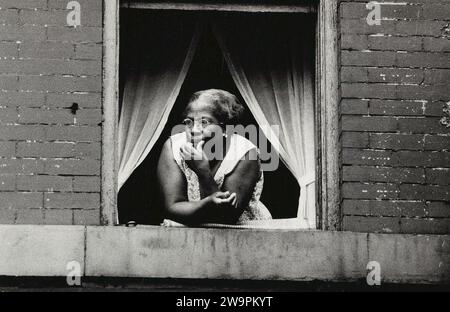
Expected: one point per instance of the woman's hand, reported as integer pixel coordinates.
(195, 158)
(223, 199)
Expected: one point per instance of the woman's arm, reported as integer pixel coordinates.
(198, 161)
(214, 208)
(242, 181)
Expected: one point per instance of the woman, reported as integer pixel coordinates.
(198, 188)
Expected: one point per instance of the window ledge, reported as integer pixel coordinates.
(158, 252)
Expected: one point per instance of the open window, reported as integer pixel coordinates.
(266, 55)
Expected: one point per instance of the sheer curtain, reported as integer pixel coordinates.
(272, 64)
(151, 87)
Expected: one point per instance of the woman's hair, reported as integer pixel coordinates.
(225, 106)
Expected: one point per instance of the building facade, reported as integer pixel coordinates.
(391, 99)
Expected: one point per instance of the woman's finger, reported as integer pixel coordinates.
(234, 203)
(230, 198)
(223, 194)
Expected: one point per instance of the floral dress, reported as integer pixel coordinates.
(239, 146)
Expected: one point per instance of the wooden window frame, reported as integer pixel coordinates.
(327, 99)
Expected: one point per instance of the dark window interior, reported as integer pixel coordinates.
(138, 199)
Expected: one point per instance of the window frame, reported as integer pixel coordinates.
(328, 214)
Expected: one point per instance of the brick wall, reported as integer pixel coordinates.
(395, 81)
(50, 157)
(394, 85)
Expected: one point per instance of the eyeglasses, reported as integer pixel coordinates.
(203, 123)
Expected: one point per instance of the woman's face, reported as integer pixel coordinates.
(203, 124)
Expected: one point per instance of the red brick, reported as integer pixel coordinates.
(396, 108)
(419, 27)
(88, 51)
(383, 174)
(22, 33)
(354, 74)
(19, 132)
(9, 83)
(45, 116)
(425, 125)
(427, 192)
(88, 150)
(424, 226)
(354, 42)
(60, 84)
(425, 159)
(21, 166)
(43, 183)
(437, 76)
(368, 58)
(86, 217)
(20, 200)
(438, 209)
(439, 176)
(436, 11)
(8, 49)
(368, 123)
(388, 208)
(47, 50)
(354, 107)
(59, 116)
(370, 90)
(50, 67)
(401, 11)
(89, 117)
(72, 167)
(388, 43)
(434, 108)
(436, 44)
(423, 59)
(8, 115)
(66, 100)
(7, 216)
(7, 149)
(58, 216)
(30, 216)
(10, 16)
(22, 99)
(23, 4)
(353, 10)
(86, 184)
(437, 142)
(370, 191)
(78, 35)
(360, 26)
(369, 157)
(51, 150)
(396, 141)
(73, 133)
(355, 139)
(395, 75)
(7, 182)
(371, 224)
(72, 200)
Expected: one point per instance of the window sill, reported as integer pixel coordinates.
(158, 252)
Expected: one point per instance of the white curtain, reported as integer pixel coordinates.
(151, 88)
(272, 65)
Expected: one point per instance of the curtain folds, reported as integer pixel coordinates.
(273, 70)
(150, 90)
